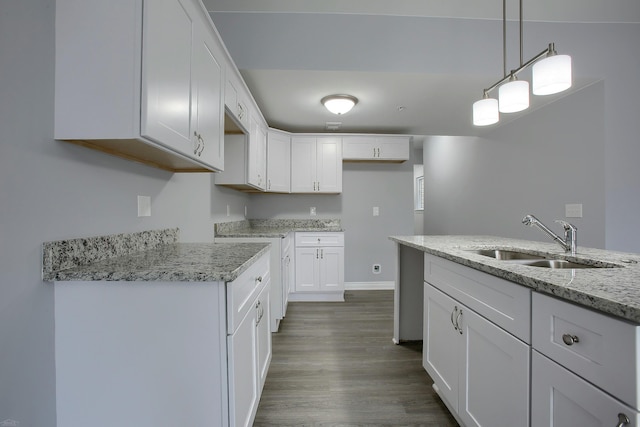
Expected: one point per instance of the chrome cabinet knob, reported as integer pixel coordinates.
(623, 420)
(570, 339)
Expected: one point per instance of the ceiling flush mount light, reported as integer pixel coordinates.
(339, 104)
(551, 73)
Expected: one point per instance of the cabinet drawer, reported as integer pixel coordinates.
(506, 304)
(242, 292)
(320, 239)
(560, 398)
(599, 348)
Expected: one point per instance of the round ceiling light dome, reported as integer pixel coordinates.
(339, 104)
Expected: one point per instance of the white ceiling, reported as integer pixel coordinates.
(396, 101)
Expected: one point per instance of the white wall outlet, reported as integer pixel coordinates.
(376, 211)
(312, 211)
(144, 206)
(573, 210)
(376, 269)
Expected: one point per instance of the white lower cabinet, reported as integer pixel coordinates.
(585, 366)
(162, 354)
(559, 398)
(480, 371)
(319, 267)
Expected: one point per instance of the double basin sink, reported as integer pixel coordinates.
(522, 257)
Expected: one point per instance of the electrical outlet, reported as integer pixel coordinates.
(376, 211)
(312, 211)
(376, 269)
(144, 206)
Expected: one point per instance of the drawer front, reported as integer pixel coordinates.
(242, 292)
(597, 347)
(560, 398)
(319, 239)
(506, 304)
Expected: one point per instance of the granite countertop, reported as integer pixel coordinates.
(614, 291)
(147, 256)
(177, 262)
(274, 228)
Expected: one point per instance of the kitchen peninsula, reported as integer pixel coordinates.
(149, 329)
(512, 338)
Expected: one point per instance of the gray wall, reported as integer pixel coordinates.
(536, 165)
(52, 190)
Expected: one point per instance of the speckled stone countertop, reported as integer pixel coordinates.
(614, 291)
(126, 257)
(274, 228)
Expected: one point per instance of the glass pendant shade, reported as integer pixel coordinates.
(485, 112)
(339, 104)
(513, 96)
(551, 75)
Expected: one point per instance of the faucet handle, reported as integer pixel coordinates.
(570, 236)
(567, 226)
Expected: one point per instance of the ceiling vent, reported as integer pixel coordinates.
(333, 126)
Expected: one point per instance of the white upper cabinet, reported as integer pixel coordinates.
(257, 173)
(235, 99)
(278, 162)
(143, 83)
(378, 148)
(316, 164)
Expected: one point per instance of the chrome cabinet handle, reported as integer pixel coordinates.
(570, 339)
(458, 321)
(623, 420)
(258, 280)
(452, 321)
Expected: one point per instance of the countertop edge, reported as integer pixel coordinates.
(613, 306)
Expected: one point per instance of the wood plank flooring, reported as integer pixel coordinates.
(334, 364)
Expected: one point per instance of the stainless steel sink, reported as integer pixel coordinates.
(559, 263)
(507, 254)
(522, 257)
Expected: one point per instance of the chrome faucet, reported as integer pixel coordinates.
(569, 243)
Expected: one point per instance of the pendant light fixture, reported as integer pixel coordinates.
(551, 73)
(339, 104)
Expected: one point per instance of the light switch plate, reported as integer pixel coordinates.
(573, 210)
(376, 211)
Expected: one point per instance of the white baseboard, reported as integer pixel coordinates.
(369, 286)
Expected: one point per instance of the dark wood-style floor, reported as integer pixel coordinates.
(334, 364)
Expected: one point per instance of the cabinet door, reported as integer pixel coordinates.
(331, 269)
(494, 374)
(278, 163)
(166, 73)
(257, 155)
(208, 103)
(243, 372)
(441, 344)
(263, 336)
(329, 165)
(393, 148)
(303, 164)
(307, 275)
(560, 398)
(358, 147)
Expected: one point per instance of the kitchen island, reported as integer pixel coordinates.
(508, 342)
(152, 332)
